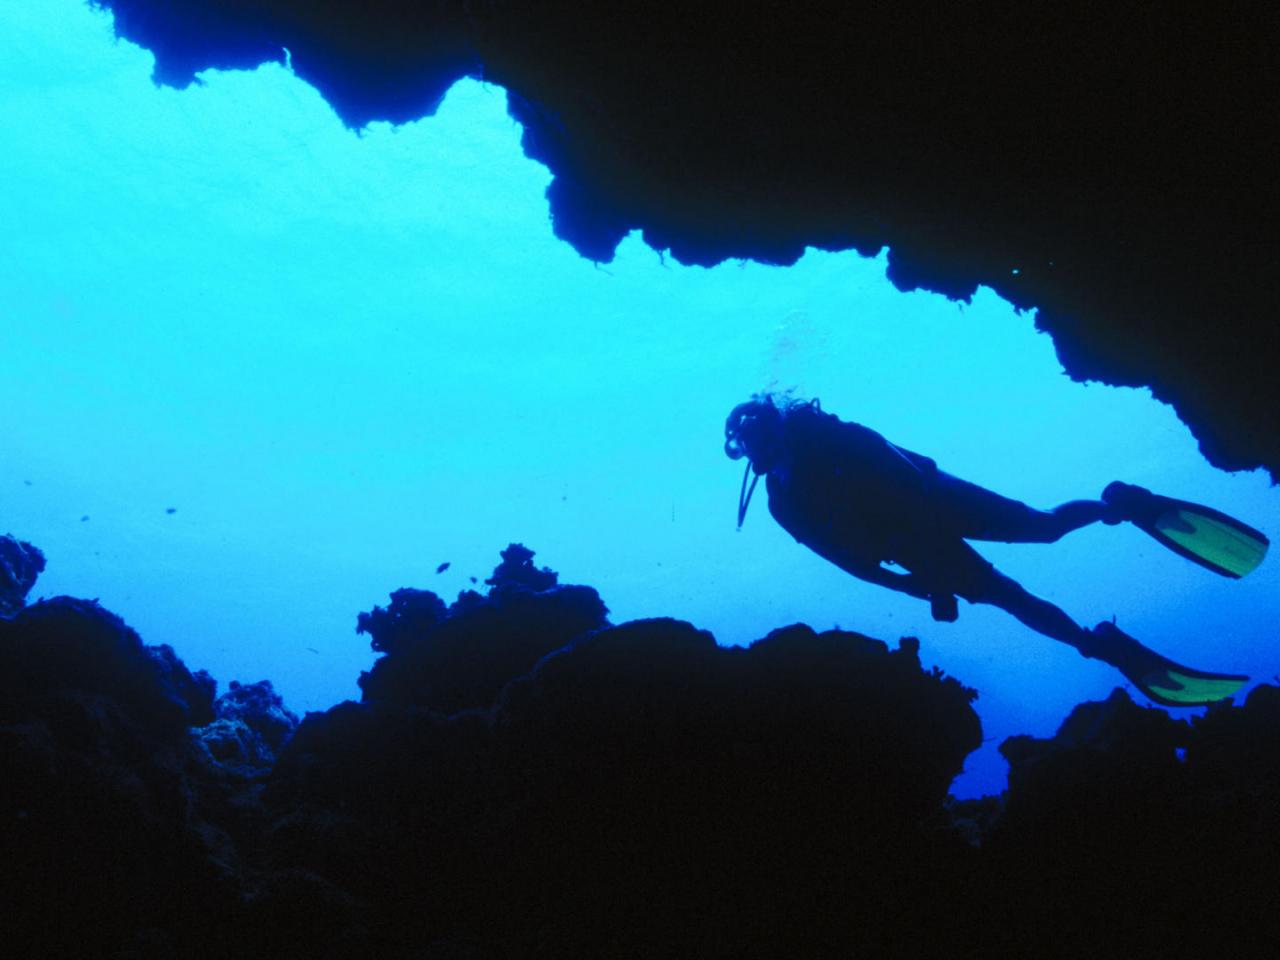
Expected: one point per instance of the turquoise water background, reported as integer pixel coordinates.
(343, 359)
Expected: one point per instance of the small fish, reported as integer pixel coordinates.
(443, 567)
(84, 518)
(472, 579)
(171, 510)
(26, 483)
(313, 649)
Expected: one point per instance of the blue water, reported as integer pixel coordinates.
(341, 360)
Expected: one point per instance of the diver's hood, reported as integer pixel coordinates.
(738, 417)
(751, 419)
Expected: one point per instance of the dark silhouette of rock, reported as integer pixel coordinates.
(1111, 166)
(20, 565)
(410, 614)
(103, 844)
(68, 647)
(633, 790)
(516, 572)
(1129, 827)
(632, 771)
(459, 657)
(260, 708)
(250, 725)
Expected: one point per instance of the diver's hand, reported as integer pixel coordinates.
(944, 608)
(907, 583)
(865, 566)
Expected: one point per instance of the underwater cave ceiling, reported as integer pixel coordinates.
(1113, 167)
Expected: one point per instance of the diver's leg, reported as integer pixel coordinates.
(1051, 525)
(1157, 677)
(1040, 615)
(952, 567)
(980, 514)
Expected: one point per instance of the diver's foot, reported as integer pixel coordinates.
(1124, 501)
(1105, 642)
(1100, 642)
(1159, 678)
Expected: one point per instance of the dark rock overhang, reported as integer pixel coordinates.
(1111, 166)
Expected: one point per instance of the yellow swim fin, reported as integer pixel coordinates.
(1159, 678)
(1202, 534)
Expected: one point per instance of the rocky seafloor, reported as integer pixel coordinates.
(523, 778)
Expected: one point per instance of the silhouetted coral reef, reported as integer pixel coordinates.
(251, 725)
(524, 779)
(461, 657)
(20, 565)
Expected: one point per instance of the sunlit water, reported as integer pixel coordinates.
(343, 360)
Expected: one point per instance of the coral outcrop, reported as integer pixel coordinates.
(624, 790)
(20, 565)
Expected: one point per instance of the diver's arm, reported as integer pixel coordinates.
(907, 583)
(872, 572)
(942, 606)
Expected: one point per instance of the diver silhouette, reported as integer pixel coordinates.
(861, 502)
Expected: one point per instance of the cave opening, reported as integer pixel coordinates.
(261, 371)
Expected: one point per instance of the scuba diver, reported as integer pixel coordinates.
(861, 502)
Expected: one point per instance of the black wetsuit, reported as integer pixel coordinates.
(850, 495)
